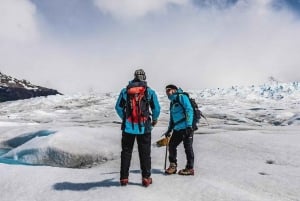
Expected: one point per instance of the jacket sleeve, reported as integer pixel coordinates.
(120, 104)
(171, 125)
(154, 104)
(189, 112)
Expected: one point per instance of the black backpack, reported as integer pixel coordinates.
(197, 112)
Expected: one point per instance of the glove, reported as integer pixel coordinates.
(189, 131)
(167, 133)
(154, 122)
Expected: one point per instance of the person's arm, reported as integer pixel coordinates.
(120, 104)
(155, 107)
(188, 109)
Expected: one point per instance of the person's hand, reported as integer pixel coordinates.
(167, 133)
(154, 122)
(189, 131)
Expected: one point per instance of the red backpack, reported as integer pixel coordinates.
(137, 104)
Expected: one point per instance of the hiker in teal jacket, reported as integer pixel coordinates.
(181, 113)
(145, 127)
(139, 109)
(180, 125)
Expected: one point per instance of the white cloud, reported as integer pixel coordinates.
(207, 47)
(129, 9)
(17, 21)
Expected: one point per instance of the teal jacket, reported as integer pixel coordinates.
(181, 114)
(134, 128)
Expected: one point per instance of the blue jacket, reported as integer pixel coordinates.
(181, 114)
(133, 128)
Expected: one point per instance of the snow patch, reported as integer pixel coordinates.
(72, 147)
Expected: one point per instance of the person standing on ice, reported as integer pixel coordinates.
(133, 107)
(181, 119)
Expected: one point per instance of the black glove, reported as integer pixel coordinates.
(168, 133)
(189, 131)
(154, 122)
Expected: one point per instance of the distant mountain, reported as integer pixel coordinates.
(14, 89)
(272, 89)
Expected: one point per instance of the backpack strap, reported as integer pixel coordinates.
(178, 101)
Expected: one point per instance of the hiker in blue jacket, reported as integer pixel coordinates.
(181, 120)
(133, 107)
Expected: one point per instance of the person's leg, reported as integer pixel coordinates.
(144, 148)
(175, 140)
(127, 147)
(188, 147)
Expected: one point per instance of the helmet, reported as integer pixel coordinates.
(140, 75)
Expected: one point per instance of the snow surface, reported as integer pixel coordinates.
(60, 148)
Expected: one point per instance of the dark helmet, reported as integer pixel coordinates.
(140, 75)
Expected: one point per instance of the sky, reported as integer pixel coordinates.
(95, 45)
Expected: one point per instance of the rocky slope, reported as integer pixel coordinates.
(14, 89)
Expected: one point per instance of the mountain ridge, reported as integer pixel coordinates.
(12, 89)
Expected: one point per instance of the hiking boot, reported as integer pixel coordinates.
(123, 182)
(186, 171)
(172, 169)
(146, 181)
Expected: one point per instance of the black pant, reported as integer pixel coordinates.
(144, 149)
(176, 139)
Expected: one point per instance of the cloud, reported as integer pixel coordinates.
(129, 9)
(190, 45)
(17, 21)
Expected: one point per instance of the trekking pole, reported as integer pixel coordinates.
(207, 122)
(166, 154)
(204, 118)
(165, 166)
